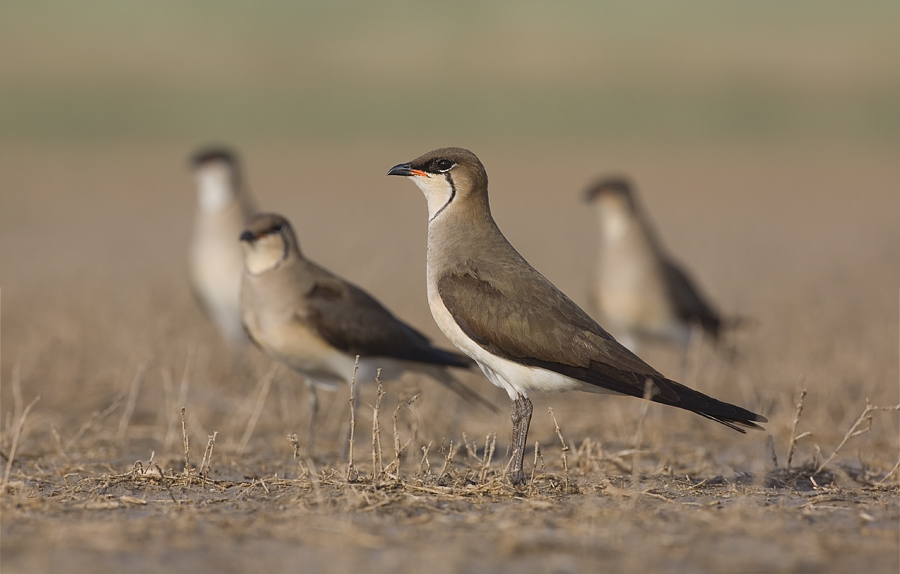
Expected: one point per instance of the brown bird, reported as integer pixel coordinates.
(316, 323)
(216, 260)
(523, 332)
(639, 292)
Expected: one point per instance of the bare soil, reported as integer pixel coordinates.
(99, 323)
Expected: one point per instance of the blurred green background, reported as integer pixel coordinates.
(639, 71)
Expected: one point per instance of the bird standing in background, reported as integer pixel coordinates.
(216, 260)
(317, 323)
(523, 332)
(638, 291)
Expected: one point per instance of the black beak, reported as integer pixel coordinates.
(401, 169)
(248, 236)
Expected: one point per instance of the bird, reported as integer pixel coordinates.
(524, 333)
(317, 323)
(215, 258)
(638, 291)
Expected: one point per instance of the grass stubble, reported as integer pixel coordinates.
(625, 503)
(94, 477)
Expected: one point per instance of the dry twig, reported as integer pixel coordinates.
(425, 462)
(264, 385)
(15, 442)
(794, 436)
(448, 461)
(96, 417)
(490, 442)
(377, 461)
(207, 455)
(537, 453)
(132, 401)
(183, 387)
(186, 444)
(565, 450)
(864, 419)
(649, 391)
(352, 418)
(394, 467)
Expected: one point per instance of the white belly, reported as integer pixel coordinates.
(512, 377)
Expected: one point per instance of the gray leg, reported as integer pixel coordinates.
(313, 397)
(521, 420)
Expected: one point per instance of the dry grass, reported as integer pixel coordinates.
(96, 478)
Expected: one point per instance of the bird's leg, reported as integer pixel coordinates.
(521, 420)
(313, 397)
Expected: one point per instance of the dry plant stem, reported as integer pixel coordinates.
(207, 455)
(132, 401)
(186, 444)
(649, 391)
(95, 418)
(15, 443)
(17, 397)
(265, 385)
(351, 440)
(470, 451)
(490, 442)
(183, 387)
(57, 440)
(377, 467)
(506, 470)
(890, 474)
(396, 436)
(398, 448)
(855, 430)
(565, 450)
(794, 436)
(770, 444)
(295, 446)
(169, 401)
(447, 461)
(537, 450)
(425, 462)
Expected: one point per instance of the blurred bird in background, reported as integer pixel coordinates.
(216, 260)
(638, 291)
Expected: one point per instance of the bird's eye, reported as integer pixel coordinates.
(278, 228)
(443, 165)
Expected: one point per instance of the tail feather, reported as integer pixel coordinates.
(732, 416)
(733, 423)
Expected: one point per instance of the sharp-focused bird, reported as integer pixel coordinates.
(216, 260)
(523, 332)
(316, 323)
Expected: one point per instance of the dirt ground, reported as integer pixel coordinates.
(98, 322)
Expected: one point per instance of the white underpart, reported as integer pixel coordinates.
(314, 358)
(437, 190)
(615, 220)
(263, 254)
(214, 188)
(510, 376)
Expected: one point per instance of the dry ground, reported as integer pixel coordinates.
(98, 322)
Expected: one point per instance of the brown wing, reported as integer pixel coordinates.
(353, 321)
(688, 301)
(529, 321)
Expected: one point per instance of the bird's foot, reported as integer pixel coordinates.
(517, 478)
